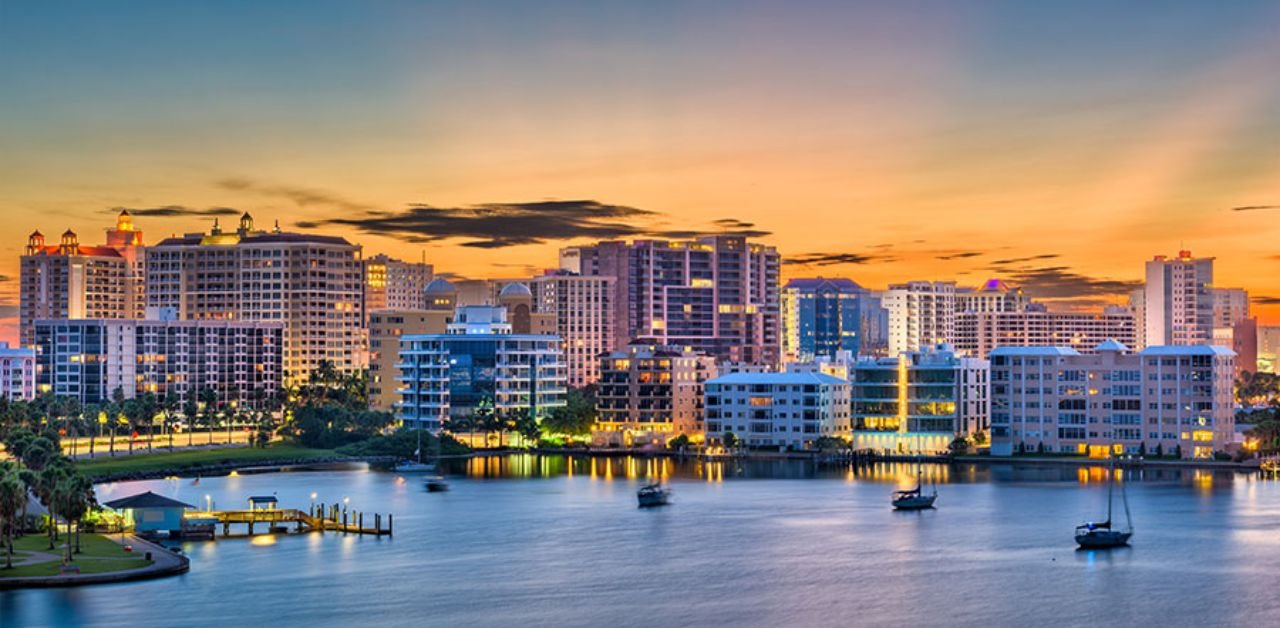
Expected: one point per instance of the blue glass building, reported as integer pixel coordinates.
(824, 316)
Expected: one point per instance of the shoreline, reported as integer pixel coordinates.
(164, 563)
(248, 466)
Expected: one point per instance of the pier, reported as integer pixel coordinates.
(318, 518)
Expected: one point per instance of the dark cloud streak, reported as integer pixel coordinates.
(172, 211)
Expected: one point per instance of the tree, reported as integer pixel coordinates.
(682, 441)
(169, 405)
(730, 440)
(208, 409)
(13, 499)
(575, 418)
(526, 426)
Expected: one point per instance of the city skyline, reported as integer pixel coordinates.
(488, 137)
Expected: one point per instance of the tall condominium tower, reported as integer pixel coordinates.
(921, 314)
(392, 284)
(821, 317)
(73, 281)
(717, 294)
(992, 296)
(311, 283)
(583, 311)
(1177, 301)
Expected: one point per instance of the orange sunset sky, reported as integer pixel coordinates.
(1055, 145)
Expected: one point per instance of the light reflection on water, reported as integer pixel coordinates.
(541, 540)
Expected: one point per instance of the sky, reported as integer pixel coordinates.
(1056, 145)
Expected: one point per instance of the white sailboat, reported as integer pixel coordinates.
(1104, 535)
(416, 465)
(915, 499)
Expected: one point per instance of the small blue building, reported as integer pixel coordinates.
(149, 513)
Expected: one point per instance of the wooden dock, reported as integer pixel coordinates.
(319, 518)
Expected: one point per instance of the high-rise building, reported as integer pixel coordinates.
(821, 317)
(1230, 306)
(992, 296)
(312, 284)
(784, 410)
(649, 395)
(517, 299)
(88, 360)
(1178, 301)
(921, 314)
(75, 281)
(1164, 400)
(582, 308)
(17, 373)
(1269, 348)
(392, 284)
(918, 402)
(388, 326)
(478, 361)
(978, 333)
(717, 294)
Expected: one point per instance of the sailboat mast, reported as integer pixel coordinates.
(1111, 489)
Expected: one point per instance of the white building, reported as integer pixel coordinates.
(921, 314)
(918, 402)
(978, 333)
(1163, 400)
(17, 373)
(583, 311)
(785, 410)
(392, 284)
(992, 296)
(1178, 301)
(478, 361)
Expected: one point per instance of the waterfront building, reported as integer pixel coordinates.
(71, 280)
(992, 296)
(517, 299)
(478, 361)
(582, 309)
(821, 317)
(386, 328)
(17, 373)
(919, 401)
(392, 284)
(921, 314)
(783, 410)
(717, 294)
(1178, 301)
(978, 333)
(312, 284)
(1162, 400)
(88, 360)
(649, 395)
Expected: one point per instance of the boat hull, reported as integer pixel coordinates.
(650, 501)
(437, 485)
(1103, 539)
(414, 467)
(921, 502)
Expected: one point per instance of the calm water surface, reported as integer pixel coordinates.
(544, 541)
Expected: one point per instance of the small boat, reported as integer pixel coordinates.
(915, 499)
(417, 465)
(1090, 535)
(653, 495)
(437, 485)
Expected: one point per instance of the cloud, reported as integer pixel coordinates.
(1251, 208)
(1262, 299)
(959, 255)
(1020, 260)
(302, 196)
(834, 259)
(500, 225)
(167, 211)
(1060, 282)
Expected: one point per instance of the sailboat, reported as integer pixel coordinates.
(1090, 535)
(415, 466)
(915, 499)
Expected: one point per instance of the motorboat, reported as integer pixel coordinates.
(653, 495)
(437, 485)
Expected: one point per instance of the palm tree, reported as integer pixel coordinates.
(190, 410)
(169, 405)
(75, 496)
(209, 409)
(13, 499)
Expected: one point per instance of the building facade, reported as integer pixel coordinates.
(783, 410)
(392, 284)
(919, 402)
(1178, 301)
(992, 296)
(17, 373)
(921, 314)
(89, 360)
(718, 294)
(1164, 400)
(978, 333)
(649, 395)
(386, 328)
(74, 281)
(582, 308)
(478, 361)
(311, 284)
(821, 317)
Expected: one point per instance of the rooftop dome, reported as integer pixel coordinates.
(515, 289)
(440, 286)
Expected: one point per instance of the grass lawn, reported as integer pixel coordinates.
(161, 461)
(98, 555)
